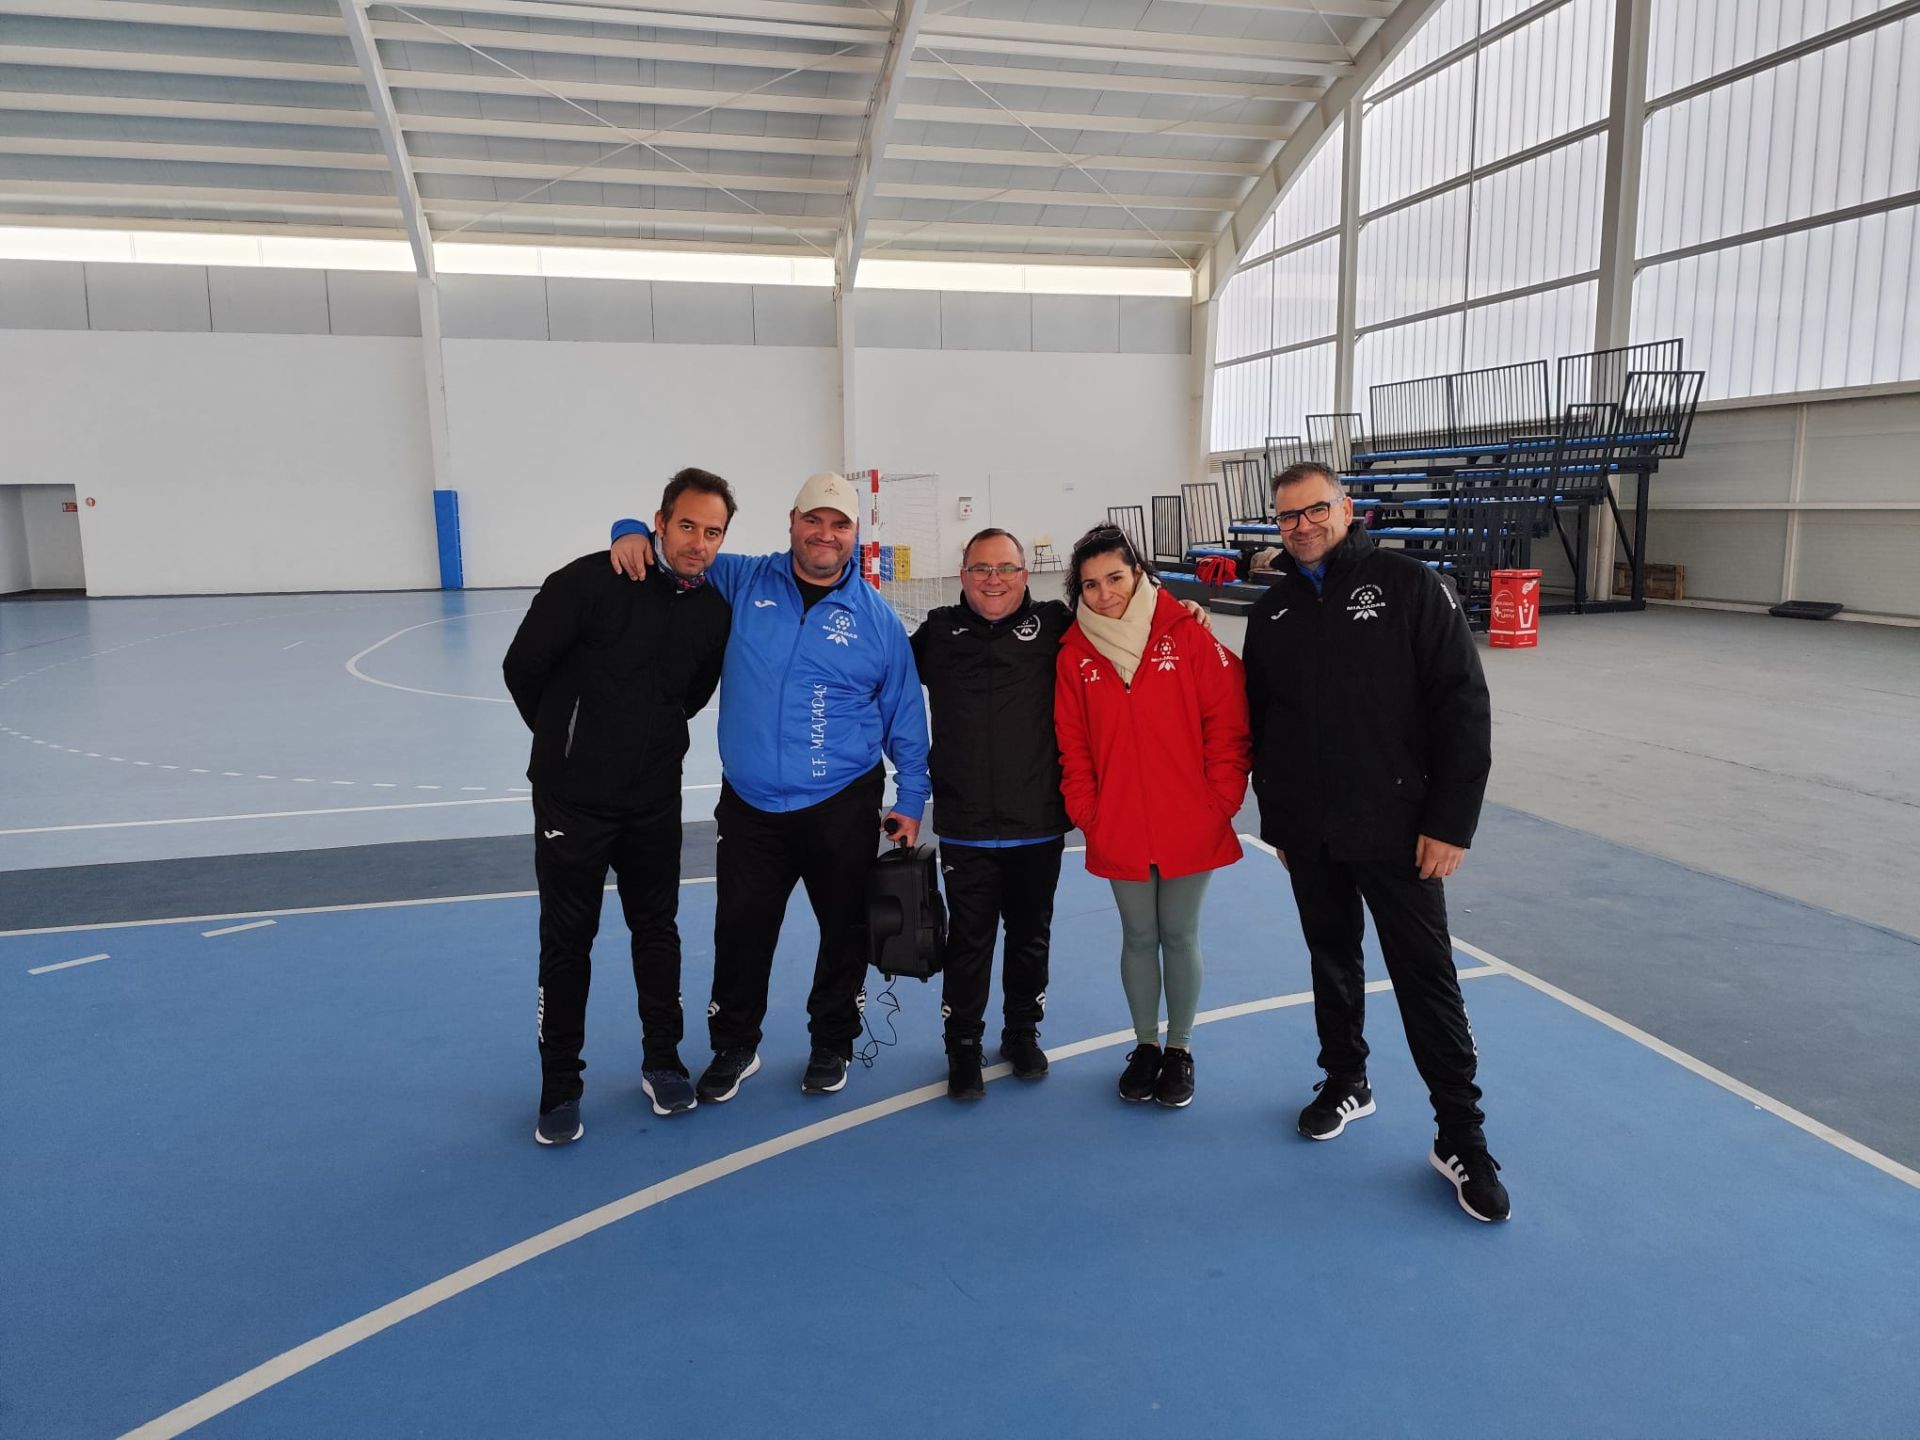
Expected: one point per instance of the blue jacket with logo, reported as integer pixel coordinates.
(809, 702)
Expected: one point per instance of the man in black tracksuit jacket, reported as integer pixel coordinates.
(988, 665)
(606, 675)
(1372, 740)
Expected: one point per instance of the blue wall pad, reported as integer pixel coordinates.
(446, 525)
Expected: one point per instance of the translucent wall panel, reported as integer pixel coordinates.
(1417, 138)
(1306, 289)
(1302, 386)
(1405, 352)
(1537, 221)
(1835, 128)
(1452, 24)
(1690, 40)
(1412, 260)
(1543, 80)
(1834, 306)
(1534, 327)
(1244, 322)
(1242, 395)
(1312, 204)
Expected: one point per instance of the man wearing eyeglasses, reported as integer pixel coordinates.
(1372, 739)
(988, 666)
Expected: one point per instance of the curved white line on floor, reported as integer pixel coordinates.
(353, 665)
(344, 1337)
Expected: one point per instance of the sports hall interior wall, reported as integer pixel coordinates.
(16, 568)
(249, 430)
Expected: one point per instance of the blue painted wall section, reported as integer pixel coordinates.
(446, 524)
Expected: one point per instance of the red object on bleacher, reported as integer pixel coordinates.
(1215, 570)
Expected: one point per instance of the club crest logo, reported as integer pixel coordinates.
(1165, 657)
(840, 629)
(1027, 629)
(1366, 603)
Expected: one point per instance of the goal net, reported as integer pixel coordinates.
(904, 545)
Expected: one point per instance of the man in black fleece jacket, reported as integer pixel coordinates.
(606, 675)
(1372, 740)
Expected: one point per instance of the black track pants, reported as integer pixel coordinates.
(984, 888)
(1410, 917)
(572, 851)
(758, 856)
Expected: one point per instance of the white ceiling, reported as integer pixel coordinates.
(1095, 129)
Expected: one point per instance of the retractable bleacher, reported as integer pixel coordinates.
(1467, 470)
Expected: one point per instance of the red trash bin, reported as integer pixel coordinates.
(1516, 610)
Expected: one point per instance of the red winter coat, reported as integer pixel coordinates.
(1155, 773)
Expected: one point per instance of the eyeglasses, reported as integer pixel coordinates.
(1005, 572)
(1313, 514)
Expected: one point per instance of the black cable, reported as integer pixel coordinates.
(870, 1051)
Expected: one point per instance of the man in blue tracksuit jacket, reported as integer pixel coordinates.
(818, 683)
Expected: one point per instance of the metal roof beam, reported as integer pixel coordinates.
(387, 122)
(1118, 84)
(987, 195)
(850, 27)
(873, 141)
(1052, 160)
(1074, 120)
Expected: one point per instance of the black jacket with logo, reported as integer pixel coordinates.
(1370, 715)
(606, 672)
(995, 763)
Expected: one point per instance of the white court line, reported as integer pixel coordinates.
(353, 665)
(344, 1337)
(301, 910)
(519, 795)
(1886, 1164)
(1816, 1128)
(257, 815)
(236, 929)
(68, 964)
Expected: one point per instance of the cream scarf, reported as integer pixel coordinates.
(1124, 640)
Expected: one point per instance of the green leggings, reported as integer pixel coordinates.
(1160, 930)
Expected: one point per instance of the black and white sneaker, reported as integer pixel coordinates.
(1339, 1101)
(670, 1090)
(826, 1072)
(1174, 1088)
(722, 1078)
(1141, 1075)
(1021, 1049)
(560, 1125)
(1476, 1179)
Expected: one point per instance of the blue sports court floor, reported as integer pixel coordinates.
(267, 1052)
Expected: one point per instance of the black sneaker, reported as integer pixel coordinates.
(1339, 1102)
(669, 1089)
(1143, 1070)
(1174, 1088)
(1021, 1049)
(560, 1125)
(964, 1081)
(826, 1072)
(1476, 1179)
(722, 1078)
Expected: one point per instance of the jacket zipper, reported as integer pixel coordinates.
(572, 720)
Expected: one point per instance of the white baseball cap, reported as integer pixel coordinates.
(828, 492)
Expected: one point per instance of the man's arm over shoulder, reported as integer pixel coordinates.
(727, 573)
(1459, 711)
(550, 628)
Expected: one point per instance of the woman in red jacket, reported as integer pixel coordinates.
(1151, 715)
